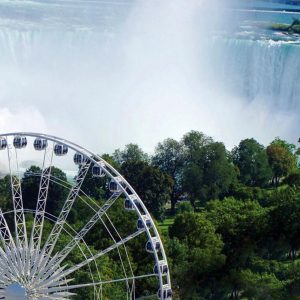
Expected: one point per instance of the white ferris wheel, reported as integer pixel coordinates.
(44, 256)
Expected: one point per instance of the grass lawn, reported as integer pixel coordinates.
(164, 226)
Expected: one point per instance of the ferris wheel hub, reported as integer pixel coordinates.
(15, 291)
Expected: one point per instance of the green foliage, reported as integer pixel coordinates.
(209, 174)
(293, 179)
(152, 185)
(251, 159)
(260, 286)
(242, 225)
(281, 159)
(183, 207)
(169, 157)
(5, 194)
(196, 252)
(94, 187)
(132, 152)
(56, 193)
(242, 192)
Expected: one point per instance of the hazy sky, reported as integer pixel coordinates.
(106, 73)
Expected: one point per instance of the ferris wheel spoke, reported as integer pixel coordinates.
(123, 267)
(7, 274)
(56, 230)
(55, 279)
(92, 284)
(12, 255)
(82, 233)
(50, 270)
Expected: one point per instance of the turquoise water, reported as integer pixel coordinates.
(250, 18)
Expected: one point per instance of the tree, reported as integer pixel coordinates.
(284, 225)
(152, 185)
(169, 157)
(281, 158)
(132, 152)
(6, 203)
(56, 193)
(242, 225)
(194, 141)
(197, 252)
(252, 161)
(95, 187)
(111, 160)
(210, 175)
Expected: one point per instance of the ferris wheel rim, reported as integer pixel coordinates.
(125, 188)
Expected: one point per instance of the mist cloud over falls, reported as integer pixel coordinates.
(108, 73)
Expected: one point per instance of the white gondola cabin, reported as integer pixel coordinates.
(114, 185)
(165, 292)
(60, 149)
(3, 143)
(20, 142)
(162, 266)
(140, 223)
(79, 159)
(128, 203)
(156, 245)
(98, 170)
(40, 144)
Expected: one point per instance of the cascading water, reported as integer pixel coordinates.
(144, 70)
(261, 69)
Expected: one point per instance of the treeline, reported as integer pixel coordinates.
(235, 214)
(198, 169)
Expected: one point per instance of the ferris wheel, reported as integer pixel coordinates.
(52, 254)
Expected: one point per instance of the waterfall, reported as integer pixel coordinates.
(261, 69)
(146, 67)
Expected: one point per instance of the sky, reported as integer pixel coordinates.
(107, 73)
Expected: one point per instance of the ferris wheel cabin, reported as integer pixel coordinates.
(155, 241)
(114, 185)
(60, 149)
(98, 171)
(40, 144)
(79, 159)
(162, 266)
(3, 143)
(165, 293)
(140, 223)
(20, 142)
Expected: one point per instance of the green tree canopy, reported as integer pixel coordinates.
(252, 161)
(197, 249)
(210, 175)
(152, 185)
(169, 157)
(56, 193)
(132, 152)
(242, 224)
(281, 159)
